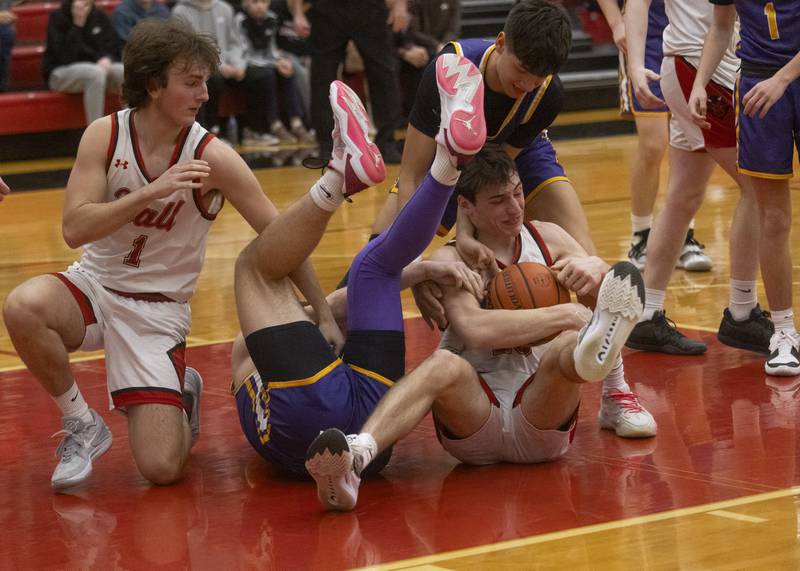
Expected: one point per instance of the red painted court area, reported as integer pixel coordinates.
(725, 431)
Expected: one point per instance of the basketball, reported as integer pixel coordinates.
(526, 285)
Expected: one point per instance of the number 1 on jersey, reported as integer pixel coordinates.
(772, 21)
(133, 257)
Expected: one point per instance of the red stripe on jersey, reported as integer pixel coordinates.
(197, 193)
(517, 253)
(489, 392)
(518, 396)
(112, 143)
(135, 145)
(83, 300)
(147, 395)
(176, 152)
(178, 357)
(548, 259)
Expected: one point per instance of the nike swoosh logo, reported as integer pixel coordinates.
(73, 398)
(325, 190)
(743, 290)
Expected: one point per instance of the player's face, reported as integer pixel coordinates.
(515, 80)
(500, 210)
(184, 93)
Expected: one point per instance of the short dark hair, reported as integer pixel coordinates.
(539, 33)
(153, 47)
(490, 168)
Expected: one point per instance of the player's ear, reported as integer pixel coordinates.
(500, 42)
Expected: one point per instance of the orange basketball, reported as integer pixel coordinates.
(526, 285)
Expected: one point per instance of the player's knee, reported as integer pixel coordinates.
(447, 370)
(775, 222)
(161, 468)
(246, 263)
(22, 309)
(652, 149)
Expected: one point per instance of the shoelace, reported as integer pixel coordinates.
(784, 343)
(671, 326)
(68, 445)
(628, 401)
(691, 241)
(637, 248)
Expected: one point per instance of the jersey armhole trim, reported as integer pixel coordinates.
(112, 142)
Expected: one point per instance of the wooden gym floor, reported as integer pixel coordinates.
(717, 488)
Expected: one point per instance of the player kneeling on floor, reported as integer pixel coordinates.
(522, 406)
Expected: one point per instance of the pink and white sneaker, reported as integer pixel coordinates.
(462, 125)
(354, 156)
(624, 414)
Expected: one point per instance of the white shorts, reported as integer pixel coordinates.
(684, 134)
(507, 436)
(144, 341)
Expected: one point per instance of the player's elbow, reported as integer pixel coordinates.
(72, 236)
(475, 334)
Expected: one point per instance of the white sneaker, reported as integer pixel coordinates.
(335, 462)
(693, 257)
(784, 358)
(82, 443)
(462, 127)
(251, 138)
(193, 385)
(624, 414)
(620, 303)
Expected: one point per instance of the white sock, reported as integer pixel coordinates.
(784, 320)
(615, 381)
(71, 403)
(367, 443)
(327, 191)
(654, 301)
(743, 298)
(639, 223)
(691, 224)
(443, 169)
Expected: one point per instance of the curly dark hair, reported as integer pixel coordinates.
(490, 168)
(539, 33)
(153, 47)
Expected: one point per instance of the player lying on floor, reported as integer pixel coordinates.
(495, 393)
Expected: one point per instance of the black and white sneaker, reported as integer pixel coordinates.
(660, 335)
(620, 303)
(693, 257)
(752, 334)
(637, 255)
(784, 358)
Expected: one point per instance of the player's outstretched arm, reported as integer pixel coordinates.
(636, 32)
(717, 41)
(87, 216)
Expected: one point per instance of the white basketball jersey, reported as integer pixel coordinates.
(162, 249)
(685, 35)
(506, 370)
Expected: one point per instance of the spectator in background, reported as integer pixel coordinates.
(370, 24)
(433, 24)
(82, 55)
(128, 13)
(269, 79)
(216, 18)
(8, 34)
(296, 49)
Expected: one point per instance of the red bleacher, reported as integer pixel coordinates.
(39, 110)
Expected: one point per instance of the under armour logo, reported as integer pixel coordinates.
(121, 162)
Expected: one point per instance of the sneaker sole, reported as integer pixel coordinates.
(735, 343)
(461, 94)
(86, 472)
(364, 157)
(328, 460)
(668, 349)
(624, 430)
(699, 266)
(781, 370)
(620, 303)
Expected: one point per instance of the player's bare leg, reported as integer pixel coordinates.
(652, 142)
(688, 177)
(444, 383)
(775, 217)
(45, 324)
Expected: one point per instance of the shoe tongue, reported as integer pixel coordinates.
(71, 423)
